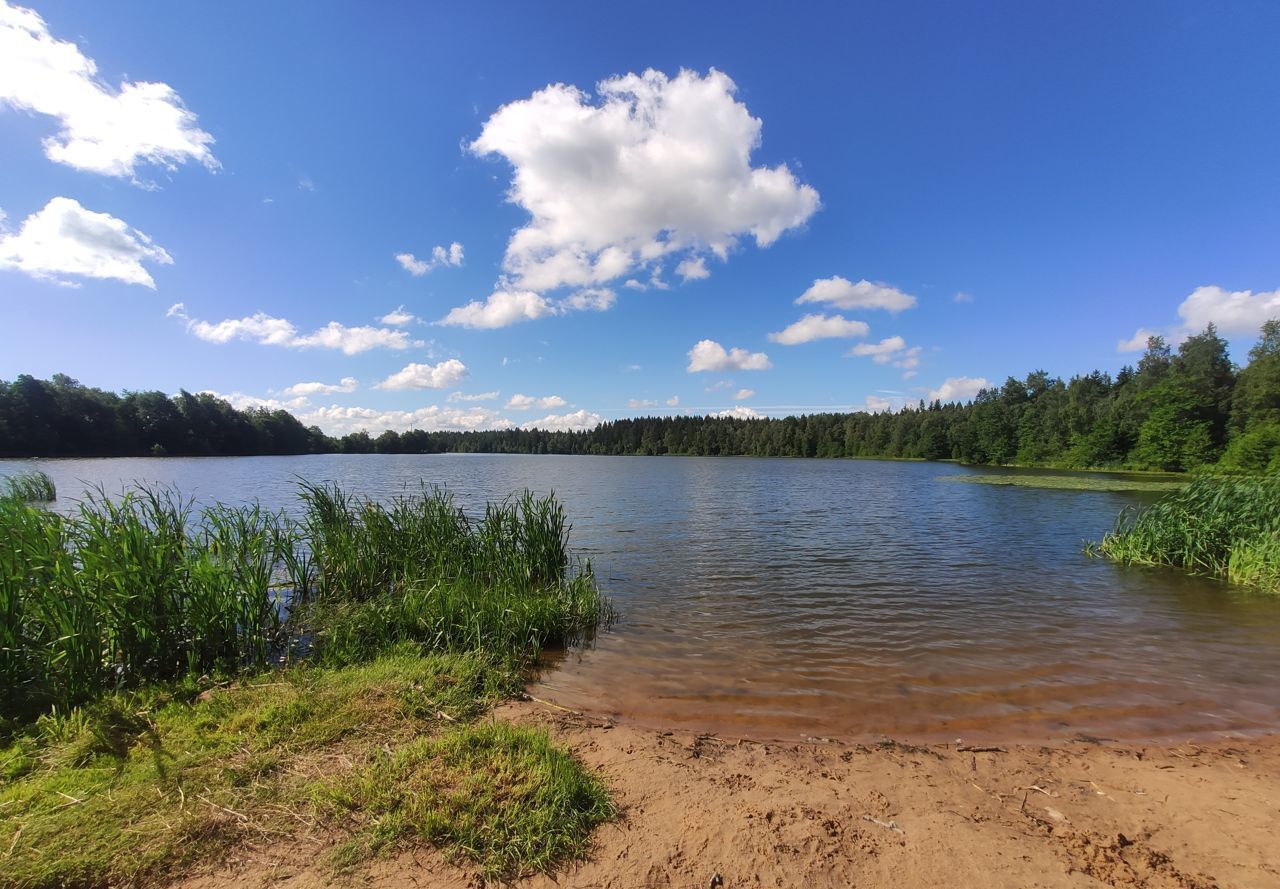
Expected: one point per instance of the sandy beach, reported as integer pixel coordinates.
(889, 815)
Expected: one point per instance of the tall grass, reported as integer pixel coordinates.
(29, 487)
(1226, 526)
(146, 587)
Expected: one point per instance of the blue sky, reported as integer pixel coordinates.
(801, 207)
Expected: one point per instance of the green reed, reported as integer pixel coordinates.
(29, 487)
(146, 587)
(1220, 525)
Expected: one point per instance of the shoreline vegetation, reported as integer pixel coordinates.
(1172, 412)
(1219, 526)
(175, 683)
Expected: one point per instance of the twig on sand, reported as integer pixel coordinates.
(555, 706)
(969, 748)
(887, 825)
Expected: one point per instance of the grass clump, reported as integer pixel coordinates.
(124, 761)
(143, 783)
(501, 795)
(1225, 526)
(29, 487)
(1071, 482)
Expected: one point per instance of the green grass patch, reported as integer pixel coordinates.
(502, 796)
(29, 487)
(146, 784)
(1072, 482)
(1225, 526)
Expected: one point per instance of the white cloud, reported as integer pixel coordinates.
(875, 404)
(242, 402)
(718, 386)
(102, 129)
(577, 420)
(673, 401)
(744, 394)
(741, 412)
(710, 355)
(520, 402)
(882, 351)
(659, 166)
(66, 239)
(426, 376)
(1137, 342)
(478, 396)
(637, 404)
(958, 389)
(398, 317)
(844, 294)
(817, 327)
(440, 256)
(502, 309)
(693, 269)
(346, 384)
(1235, 312)
(592, 299)
(891, 350)
(962, 296)
(337, 420)
(270, 331)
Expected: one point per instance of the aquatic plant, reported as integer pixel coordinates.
(1071, 482)
(1220, 525)
(145, 587)
(29, 487)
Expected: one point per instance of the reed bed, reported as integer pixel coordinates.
(29, 487)
(145, 587)
(1225, 526)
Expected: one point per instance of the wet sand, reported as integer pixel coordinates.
(1082, 813)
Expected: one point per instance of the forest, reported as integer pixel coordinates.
(1177, 410)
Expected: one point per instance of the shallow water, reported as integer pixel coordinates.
(794, 598)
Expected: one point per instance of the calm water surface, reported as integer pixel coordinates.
(857, 599)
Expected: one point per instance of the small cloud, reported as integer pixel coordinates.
(708, 355)
(844, 294)
(962, 296)
(479, 396)
(520, 402)
(1137, 342)
(398, 317)
(426, 376)
(817, 327)
(592, 299)
(501, 309)
(440, 256)
(741, 412)
(958, 389)
(743, 394)
(346, 384)
(576, 421)
(305, 184)
(637, 404)
(673, 401)
(693, 269)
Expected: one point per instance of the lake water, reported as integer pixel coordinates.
(779, 598)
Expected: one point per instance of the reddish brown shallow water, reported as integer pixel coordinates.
(853, 599)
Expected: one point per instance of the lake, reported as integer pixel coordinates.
(790, 599)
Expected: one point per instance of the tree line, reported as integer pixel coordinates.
(1176, 410)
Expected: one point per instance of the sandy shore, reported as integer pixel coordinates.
(1080, 814)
